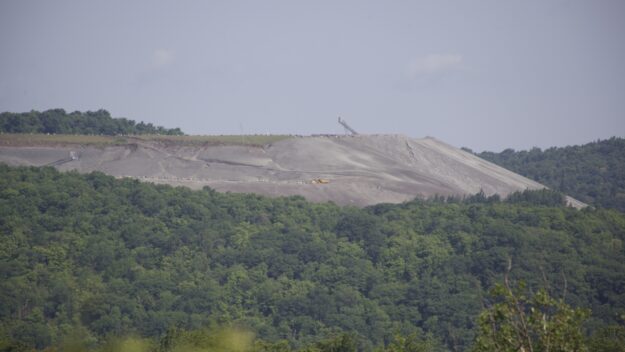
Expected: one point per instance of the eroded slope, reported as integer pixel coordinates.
(359, 170)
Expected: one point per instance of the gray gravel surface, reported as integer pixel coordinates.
(359, 170)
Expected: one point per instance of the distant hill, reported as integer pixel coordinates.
(593, 173)
(348, 170)
(58, 121)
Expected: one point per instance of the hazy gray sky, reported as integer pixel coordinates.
(480, 74)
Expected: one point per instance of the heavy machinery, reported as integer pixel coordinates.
(72, 156)
(346, 127)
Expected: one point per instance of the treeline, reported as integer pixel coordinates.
(92, 257)
(593, 173)
(57, 121)
(232, 339)
(543, 196)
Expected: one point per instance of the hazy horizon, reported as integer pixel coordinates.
(484, 75)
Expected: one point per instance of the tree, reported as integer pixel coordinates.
(608, 339)
(412, 343)
(341, 343)
(529, 324)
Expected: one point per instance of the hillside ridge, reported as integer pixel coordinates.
(356, 170)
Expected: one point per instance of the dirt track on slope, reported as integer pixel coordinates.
(360, 170)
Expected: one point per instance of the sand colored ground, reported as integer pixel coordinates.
(359, 170)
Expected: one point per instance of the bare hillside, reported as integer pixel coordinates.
(358, 170)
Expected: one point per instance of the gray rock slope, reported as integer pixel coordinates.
(358, 170)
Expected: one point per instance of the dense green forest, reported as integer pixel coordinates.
(91, 257)
(57, 121)
(593, 173)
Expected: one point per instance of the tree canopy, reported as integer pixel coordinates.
(57, 121)
(593, 173)
(94, 256)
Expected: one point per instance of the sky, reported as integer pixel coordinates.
(486, 75)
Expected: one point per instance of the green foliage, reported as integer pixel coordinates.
(207, 340)
(608, 339)
(544, 197)
(100, 257)
(57, 121)
(412, 343)
(341, 343)
(538, 323)
(593, 173)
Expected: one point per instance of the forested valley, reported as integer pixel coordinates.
(90, 262)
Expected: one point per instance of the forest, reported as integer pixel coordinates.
(57, 121)
(103, 262)
(593, 173)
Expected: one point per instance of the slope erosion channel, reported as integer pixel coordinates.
(348, 170)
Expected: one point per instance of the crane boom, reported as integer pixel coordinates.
(346, 126)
